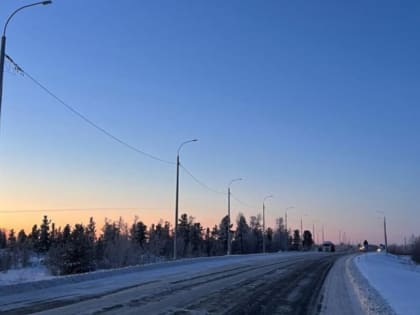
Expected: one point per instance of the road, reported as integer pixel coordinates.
(255, 284)
(338, 295)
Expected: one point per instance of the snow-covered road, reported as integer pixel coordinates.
(274, 283)
(339, 295)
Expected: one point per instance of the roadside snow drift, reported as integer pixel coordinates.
(397, 280)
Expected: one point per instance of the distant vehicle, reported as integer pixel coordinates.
(381, 248)
(327, 247)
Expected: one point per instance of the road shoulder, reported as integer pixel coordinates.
(338, 295)
(347, 292)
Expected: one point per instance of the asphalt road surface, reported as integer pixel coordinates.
(259, 284)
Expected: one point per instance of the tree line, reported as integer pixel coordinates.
(84, 248)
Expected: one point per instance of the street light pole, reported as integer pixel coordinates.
(285, 216)
(3, 43)
(229, 236)
(385, 236)
(270, 196)
(177, 193)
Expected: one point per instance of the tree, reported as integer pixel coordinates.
(223, 233)
(23, 249)
(66, 233)
(307, 240)
(12, 247)
(241, 235)
(34, 238)
(77, 253)
(255, 239)
(91, 231)
(196, 236)
(44, 236)
(184, 232)
(269, 239)
(281, 236)
(138, 234)
(3, 239)
(208, 242)
(296, 241)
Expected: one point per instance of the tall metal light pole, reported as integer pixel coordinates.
(3, 43)
(286, 227)
(177, 192)
(270, 196)
(229, 239)
(285, 216)
(385, 234)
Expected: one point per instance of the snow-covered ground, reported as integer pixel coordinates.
(396, 279)
(35, 272)
(21, 275)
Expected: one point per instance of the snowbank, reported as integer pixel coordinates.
(396, 279)
(22, 275)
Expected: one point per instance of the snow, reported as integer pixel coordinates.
(35, 272)
(338, 295)
(95, 285)
(22, 275)
(38, 272)
(396, 279)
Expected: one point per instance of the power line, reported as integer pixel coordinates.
(71, 210)
(242, 202)
(84, 118)
(201, 183)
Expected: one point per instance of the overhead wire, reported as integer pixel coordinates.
(243, 203)
(201, 183)
(71, 210)
(85, 118)
(107, 133)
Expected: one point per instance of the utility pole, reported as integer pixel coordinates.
(285, 218)
(285, 221)
(263, 228)
(229, 235)
(177, 195)
(270, 196)
(301, 228)
(385, 236)
(313, 231)
(176, 204)
(3, 44)
(2, 56)
(228, 226)
(323, 239)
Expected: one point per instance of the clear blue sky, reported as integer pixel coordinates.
(316, 102)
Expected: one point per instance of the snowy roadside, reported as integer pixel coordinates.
(370, 300)
(389, 284)
(22, 275)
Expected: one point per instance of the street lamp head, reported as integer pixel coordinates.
(22, 8)
(234, 180)
(267, 197)
(185, 142)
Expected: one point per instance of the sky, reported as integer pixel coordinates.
(315, 102)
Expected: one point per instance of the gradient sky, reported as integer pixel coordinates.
(315, 102)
